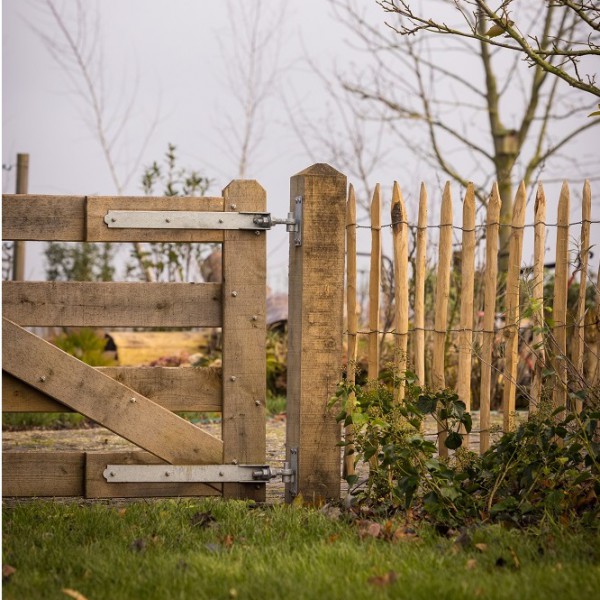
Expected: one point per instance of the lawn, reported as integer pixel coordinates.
(231, 549)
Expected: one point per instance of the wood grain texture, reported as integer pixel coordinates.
(467, 275)
(244, 338)
(96, 485)
(537, 297)
(559, 307)
(513, 278)
(374, 286)
(400, 245)
(178, 389)
(578, 341)
(316, 302)
(441, 304)
(52, 218)
(26, 474)
(489, 313)
(102, 304)
(98, 231)
(125, 412)
(420, 276)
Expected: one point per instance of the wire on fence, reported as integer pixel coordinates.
(481, 226)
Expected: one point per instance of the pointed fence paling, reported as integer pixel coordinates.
(504, 339)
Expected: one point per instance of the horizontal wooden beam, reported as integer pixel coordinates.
(51, 218)
(81, 218)
(96, 485)
(124, 411)
(98, 230)
(107, 304)
(179, 389)
(43, 474)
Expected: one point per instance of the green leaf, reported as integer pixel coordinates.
(427, 404)
(453, 441)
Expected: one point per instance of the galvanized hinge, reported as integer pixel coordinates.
(187, 219)
(197, 473)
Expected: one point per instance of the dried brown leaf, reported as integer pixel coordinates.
(73, 594)
(383, 580)
(8, 571)
(481, 547)
(471, 564)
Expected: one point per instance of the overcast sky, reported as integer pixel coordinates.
(175, 58)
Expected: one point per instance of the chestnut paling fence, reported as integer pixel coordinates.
(497, 328)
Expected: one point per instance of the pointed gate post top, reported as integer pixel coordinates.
(321, 170)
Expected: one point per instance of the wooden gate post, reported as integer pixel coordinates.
(315, 322)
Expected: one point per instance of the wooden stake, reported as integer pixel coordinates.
(489, 314)
(537, 297)
(441, 304)
(512, 309)
(419, 308)
(559, 308)
(584, 251)
(352, 320)
(400, 240)
(374, 286)
(21, 188)
(465, 338)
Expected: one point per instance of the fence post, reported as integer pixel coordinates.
(21, 188)
(315, 321)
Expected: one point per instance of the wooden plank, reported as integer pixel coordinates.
(19, 247)
(58, 474)
(559, 307)
(96, 485)
(400, 245)
(244, 338)
(511, 349)
(52, 218)
(180, 389)
(316, 302)
(467, 274)
(537, 296)
(352, 322)
(101, 304)
(578, 341)
(98, 230)
(374, 286)
(442, 294)
(489, 314)
(125, 412)
(420, 276)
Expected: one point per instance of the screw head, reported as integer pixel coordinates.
(168, 220)
(254, 317)
(113, 220)
(234, 294)
(232, 378)
(234, 461)
(220, 220)
(257, 402)
(221, 474)
(112, 473)
(167, 474)
(133, 400)
(257, 233)
(233, 206)
(43, 378)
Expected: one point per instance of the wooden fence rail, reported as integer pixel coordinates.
(492, 329)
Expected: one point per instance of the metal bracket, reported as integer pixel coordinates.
(187, 219)
(294, 468)
(197, 473)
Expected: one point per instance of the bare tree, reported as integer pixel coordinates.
(485, 114)
(73, 37)
(253, 71)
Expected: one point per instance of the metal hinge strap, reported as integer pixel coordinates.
(196, 473)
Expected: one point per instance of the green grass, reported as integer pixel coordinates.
(173, 549)
(18, 421)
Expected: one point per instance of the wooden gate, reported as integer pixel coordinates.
(131, 402)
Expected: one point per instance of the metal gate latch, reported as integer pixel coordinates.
(197, 473)
(189, 219)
